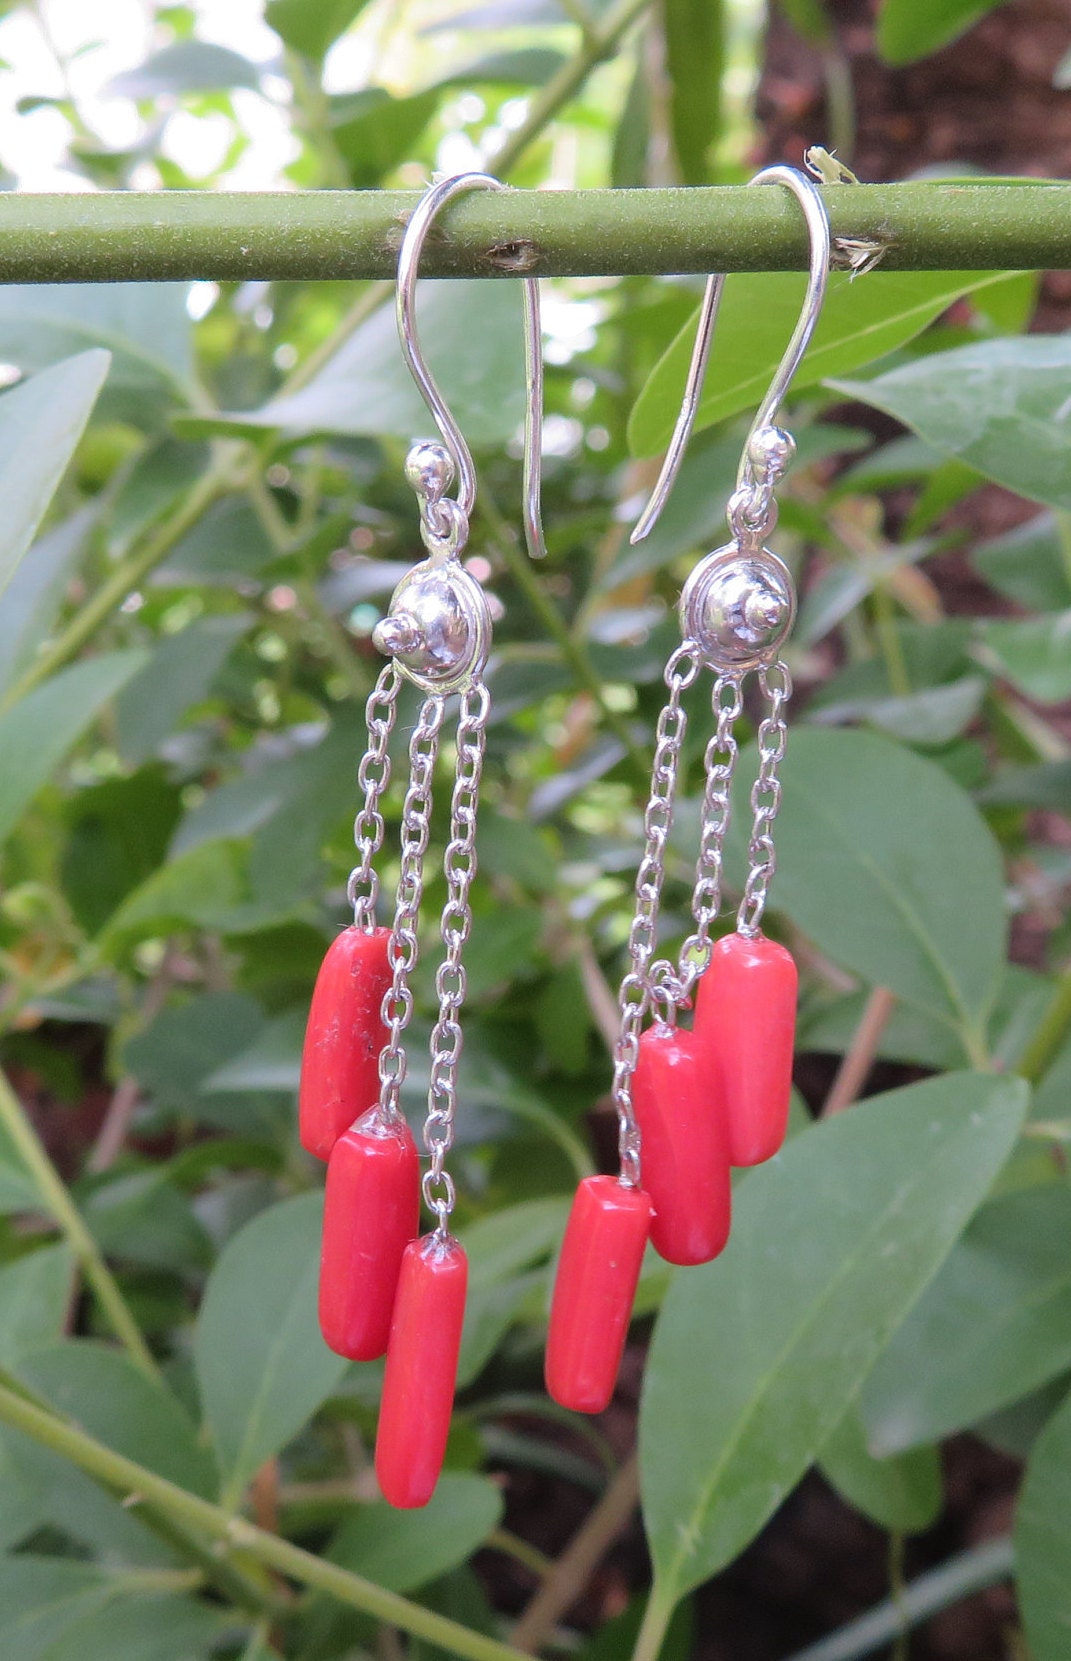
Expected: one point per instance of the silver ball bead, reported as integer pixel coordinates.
(771, 452)
(429, 470)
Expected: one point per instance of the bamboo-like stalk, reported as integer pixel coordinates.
(125, 236)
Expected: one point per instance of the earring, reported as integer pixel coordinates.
(383, 1289)
(695, 1103)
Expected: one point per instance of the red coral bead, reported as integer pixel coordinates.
(371, 1212)
(684, 1151)
(746, 1016)
(418, 1386)
(593, 1292)
(345, 1033)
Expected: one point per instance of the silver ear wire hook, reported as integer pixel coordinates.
(405, 310)
(817, 220)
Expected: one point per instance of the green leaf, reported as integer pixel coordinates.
(311, 29)
(272, 1061)
(35, 1294)
(474, 345)
(405, 1549)
(889, 867)
(262, 1365)
(994, 1325)
(695, 62)
(175, 1054)
(36, 734)
(902, 1493)
(178, 675)
(204, 888)
(860, 321)
(935, 715)
(1034, 653)
(1043, 1541)
(1029, 565)
(117, 835)
(36, 592)
(910, 29)
(374, 132)
(757, 1357)
(998, 405)
(227, 548)
(57, 1610)
(102, 1390)
(41, 422)
(145, 326)
(186, 66)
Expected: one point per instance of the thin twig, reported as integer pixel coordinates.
(572, 1571)
(859, 1058)
(123, 1105)
(959, 1578)
(597, 990)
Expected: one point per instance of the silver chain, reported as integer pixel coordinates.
(776, 683)
(403, 948)
(459, 866)
(719, 765)
(635, 994)
(373, 777)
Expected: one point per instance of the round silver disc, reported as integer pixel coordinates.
(738, 606)
(438, 629)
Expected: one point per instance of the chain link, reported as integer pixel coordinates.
(776, 683)
(719, 765)
(403, 948)
(459, 866)
(373, 777)
(635, 993)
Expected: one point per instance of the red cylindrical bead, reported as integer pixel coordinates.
(371, 1212)
(684, 1149)
(343, 1038)
(418, 1386)
(746, 1017)
(593, 1292)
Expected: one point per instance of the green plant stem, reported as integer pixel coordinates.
(1050, 1033)
(511, 1545)
(959, 1578)
(600, 41)
(573, 651)
(122, 1476)
(57, 1201)
(210, 487)
(212, 1569)
(655, 1625)
(117, 236)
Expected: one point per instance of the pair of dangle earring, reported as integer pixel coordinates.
(692, 1104)
(384, 1289)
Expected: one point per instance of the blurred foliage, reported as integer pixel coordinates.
(204, 516)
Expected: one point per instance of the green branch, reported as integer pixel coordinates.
(126, 236)
(600, 41)
(1051, 1031)
(134, 1482)
(56, 1200)
(959, 1578)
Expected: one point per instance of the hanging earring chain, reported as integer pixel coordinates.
(404, 945)
(459, 864)
(635, 994)
(373, 777)
(776, 684)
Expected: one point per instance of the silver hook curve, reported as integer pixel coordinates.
(405, 311)
(817, 218)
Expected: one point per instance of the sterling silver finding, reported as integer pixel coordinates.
(736, 611)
